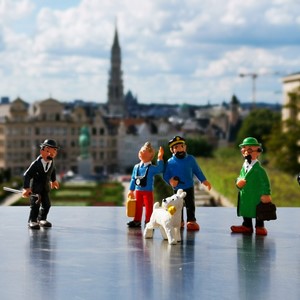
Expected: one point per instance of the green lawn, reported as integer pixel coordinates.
(89, 194)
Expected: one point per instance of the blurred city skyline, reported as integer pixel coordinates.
(172, 51)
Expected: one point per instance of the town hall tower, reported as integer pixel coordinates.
(115, 103)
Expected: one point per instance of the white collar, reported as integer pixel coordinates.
(145, 164)
(252, 162)
(247, 165)
(46, 162)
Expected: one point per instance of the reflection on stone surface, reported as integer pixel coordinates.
(89, 253)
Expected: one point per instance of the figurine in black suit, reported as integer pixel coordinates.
(39, 179)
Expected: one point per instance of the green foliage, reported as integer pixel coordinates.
(283, 143)
(91, 194)
(15, 182)
(259, 124)
(285, 150)
(222, 170)
(199, 147)
(5, 175)
(161, 189)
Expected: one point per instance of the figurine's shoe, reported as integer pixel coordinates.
(241, 229)
(134, 224)
(192, 226)
(45, 223)
(261, 231)
(33, 225)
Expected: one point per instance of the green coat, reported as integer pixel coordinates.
(257, 184)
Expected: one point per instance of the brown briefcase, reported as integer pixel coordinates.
(266, 211)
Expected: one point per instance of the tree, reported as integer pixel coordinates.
(259, 124)
(199, 147)
(284, 142)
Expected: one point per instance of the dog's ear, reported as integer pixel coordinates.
(179, 192)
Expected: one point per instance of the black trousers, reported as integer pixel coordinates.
(248, 223)
(39, 211)
(189, 201)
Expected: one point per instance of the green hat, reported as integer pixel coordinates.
(250, 141)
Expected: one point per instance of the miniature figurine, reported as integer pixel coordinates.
(167, 218)
(254, 187)
(39, 178)
(142, 182)
(179, 173)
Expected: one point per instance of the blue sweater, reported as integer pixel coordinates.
(139, 170)
(185, 169)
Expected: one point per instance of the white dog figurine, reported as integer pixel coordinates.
(167, 218)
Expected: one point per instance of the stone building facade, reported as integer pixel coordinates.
(291, 83)
(23, 128)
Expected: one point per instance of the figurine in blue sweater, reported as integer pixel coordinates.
(142, 182)
(179, 173)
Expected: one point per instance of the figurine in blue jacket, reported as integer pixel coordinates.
(179, 173)
(142, 182)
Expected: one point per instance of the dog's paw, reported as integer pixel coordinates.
(148, 233)
(172, 242)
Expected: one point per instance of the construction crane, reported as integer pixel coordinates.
(253, 77)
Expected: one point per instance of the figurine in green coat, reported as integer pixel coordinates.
(254, 187)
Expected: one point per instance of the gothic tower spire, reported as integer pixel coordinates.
(115, 84)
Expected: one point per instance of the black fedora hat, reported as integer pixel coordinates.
(49, 143)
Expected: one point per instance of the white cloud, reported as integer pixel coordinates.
(182, 50)
(278, 17)
(12, 10)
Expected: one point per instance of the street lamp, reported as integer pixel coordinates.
(253, 76)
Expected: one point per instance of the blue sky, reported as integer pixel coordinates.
(172, 51)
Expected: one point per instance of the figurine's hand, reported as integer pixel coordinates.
(173, 182)
(130, 195)
(26, 193)
(265, 198)
(241, 183)
(160, 153)
(207, 184)
(54, 185)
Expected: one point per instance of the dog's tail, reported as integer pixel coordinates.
(156, 205)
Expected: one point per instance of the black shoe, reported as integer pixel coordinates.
(33, 225)
(134, 224)
(45, 223)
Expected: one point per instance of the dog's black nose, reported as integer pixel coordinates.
(164, 200)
